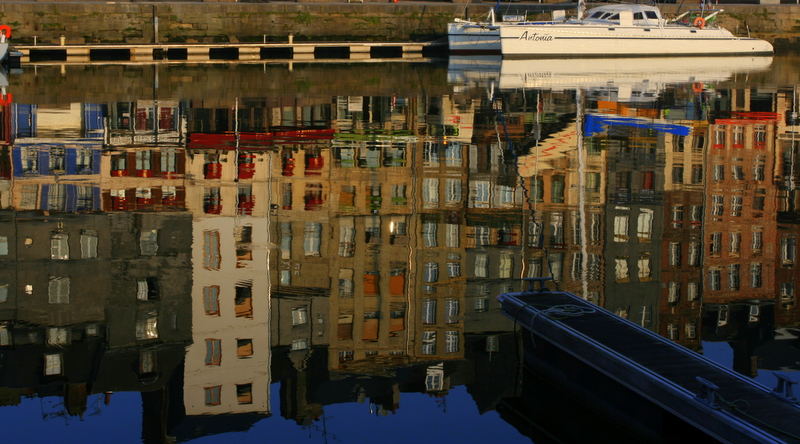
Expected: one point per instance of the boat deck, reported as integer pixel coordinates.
(718, 401)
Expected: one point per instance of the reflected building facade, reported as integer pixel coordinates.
(351, 248)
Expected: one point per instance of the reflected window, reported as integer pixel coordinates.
(595, 267)
(428, 343)
(148, 242)
(244, 348)
(58, 290)
(59, 246)
(620, 228)
(57, 160)
(53, 364)
(429, 234)
(372, 229)
(3, 246)
(717, 205)
(312, 239)
(644, 225)
(347, 237)
(595, 228)
(693, 291)
(719, 173)
(451, 340)
(755, 275)
(736, 206)
(715, 244)
(452, 189)
(643, 265)
(244, 300)
(147, 326)
(733, 276)
(244, 393)
(399, 194)
(788, 250)
(430, 192)
(451, 311)
(213, 395)
(758, 241)
(299, 344)
(211, 300)
(57, 336)
(696, 215)
(675, 254)
(555, 264)
(147, 362)
(557, 191)
(429, 311)
(345, 326)
(734, 243)
(737, 172)
(346, 283)
(88, 244)
(431, 272)
(677, 174)
(147, 289)
(556, 229)
(697, 174)
(211, 250)
(299, 315)
(714, 279)
(621, 270)
(694, 254)
(213, 352)
(535, 267)
(481, 265)
(674, 292)
(576, 269)
(454, 269)
(347, 198)
(506, 265)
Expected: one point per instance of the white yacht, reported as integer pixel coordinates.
(610, 30)
(628, 30)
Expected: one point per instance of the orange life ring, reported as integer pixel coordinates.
(6, 99)
(5, 29)
(697, 87)
(699, 22)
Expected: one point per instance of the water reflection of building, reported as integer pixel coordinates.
(555, 231)
(92, 303)
(681, 246)
(227, 365)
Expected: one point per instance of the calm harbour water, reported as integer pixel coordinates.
(311, 253)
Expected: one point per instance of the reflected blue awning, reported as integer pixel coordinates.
(596, 123)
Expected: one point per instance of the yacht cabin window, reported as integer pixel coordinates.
(651, 14)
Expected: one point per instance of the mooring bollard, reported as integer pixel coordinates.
(291, 39)
(62, 40)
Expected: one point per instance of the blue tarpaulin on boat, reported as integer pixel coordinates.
(596, 123)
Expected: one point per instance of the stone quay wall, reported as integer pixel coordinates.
(225, 22)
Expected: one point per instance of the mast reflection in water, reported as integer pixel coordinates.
(180, 263)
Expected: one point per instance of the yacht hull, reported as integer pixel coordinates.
(473, 38)
(586, 40)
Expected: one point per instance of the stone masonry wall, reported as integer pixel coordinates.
(226, 22)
